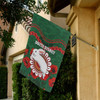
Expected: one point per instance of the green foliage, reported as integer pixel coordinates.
(37, 9)
(23, 89)
(69, 96)
(29, 90)
(3, 82)
(17, 82)
(7, 39)
(26, 93)
(11, 12)
(40, 93)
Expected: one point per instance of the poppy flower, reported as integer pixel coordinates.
(54, 69)
(46, 77)
(26, 61)
(26, 51)
(31, 51)
(33, 75)
(51, 82)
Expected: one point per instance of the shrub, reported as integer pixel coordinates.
(17, 82)
(3, 82)
(29, 90)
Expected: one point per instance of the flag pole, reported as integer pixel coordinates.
(96, 48)
(27, 8)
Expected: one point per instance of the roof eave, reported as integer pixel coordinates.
(56, 5)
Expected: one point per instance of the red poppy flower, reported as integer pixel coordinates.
(46, 77)
(51, 82)
(31, 51)
(26, 61)
(26, 51)
(54, 69)
(33, 75)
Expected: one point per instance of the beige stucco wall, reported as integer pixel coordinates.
(74, 30)
(21, 38)
(46, 16)
(84, 22)
(59, 20)
(87, 3)
(97, 38)
(86, 55)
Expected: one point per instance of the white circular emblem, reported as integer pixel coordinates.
(40, 62)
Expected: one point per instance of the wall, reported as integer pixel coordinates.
(82, 21)
(21, 38)
(59, 20)
(86, 54)
(74, 30)
(97, 38)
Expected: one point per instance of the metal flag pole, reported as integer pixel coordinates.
(96, 48)
(27, 8)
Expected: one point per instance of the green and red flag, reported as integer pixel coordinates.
(44, 52)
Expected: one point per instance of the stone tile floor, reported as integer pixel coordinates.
(7, 99)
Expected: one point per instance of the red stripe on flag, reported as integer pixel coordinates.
(48, 40)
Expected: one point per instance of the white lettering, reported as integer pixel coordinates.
(45, 47)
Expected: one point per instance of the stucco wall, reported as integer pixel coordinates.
(46, 16)
(83, 22)
(86, 54)
(74, 30)
(59, 20)
(21, 38)
(97, 38)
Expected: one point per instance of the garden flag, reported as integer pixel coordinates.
(44, 52)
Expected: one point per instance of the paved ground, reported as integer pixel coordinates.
(7, 99)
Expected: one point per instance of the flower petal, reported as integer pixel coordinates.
(26, 62)
(51, 82)
(54, 69)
